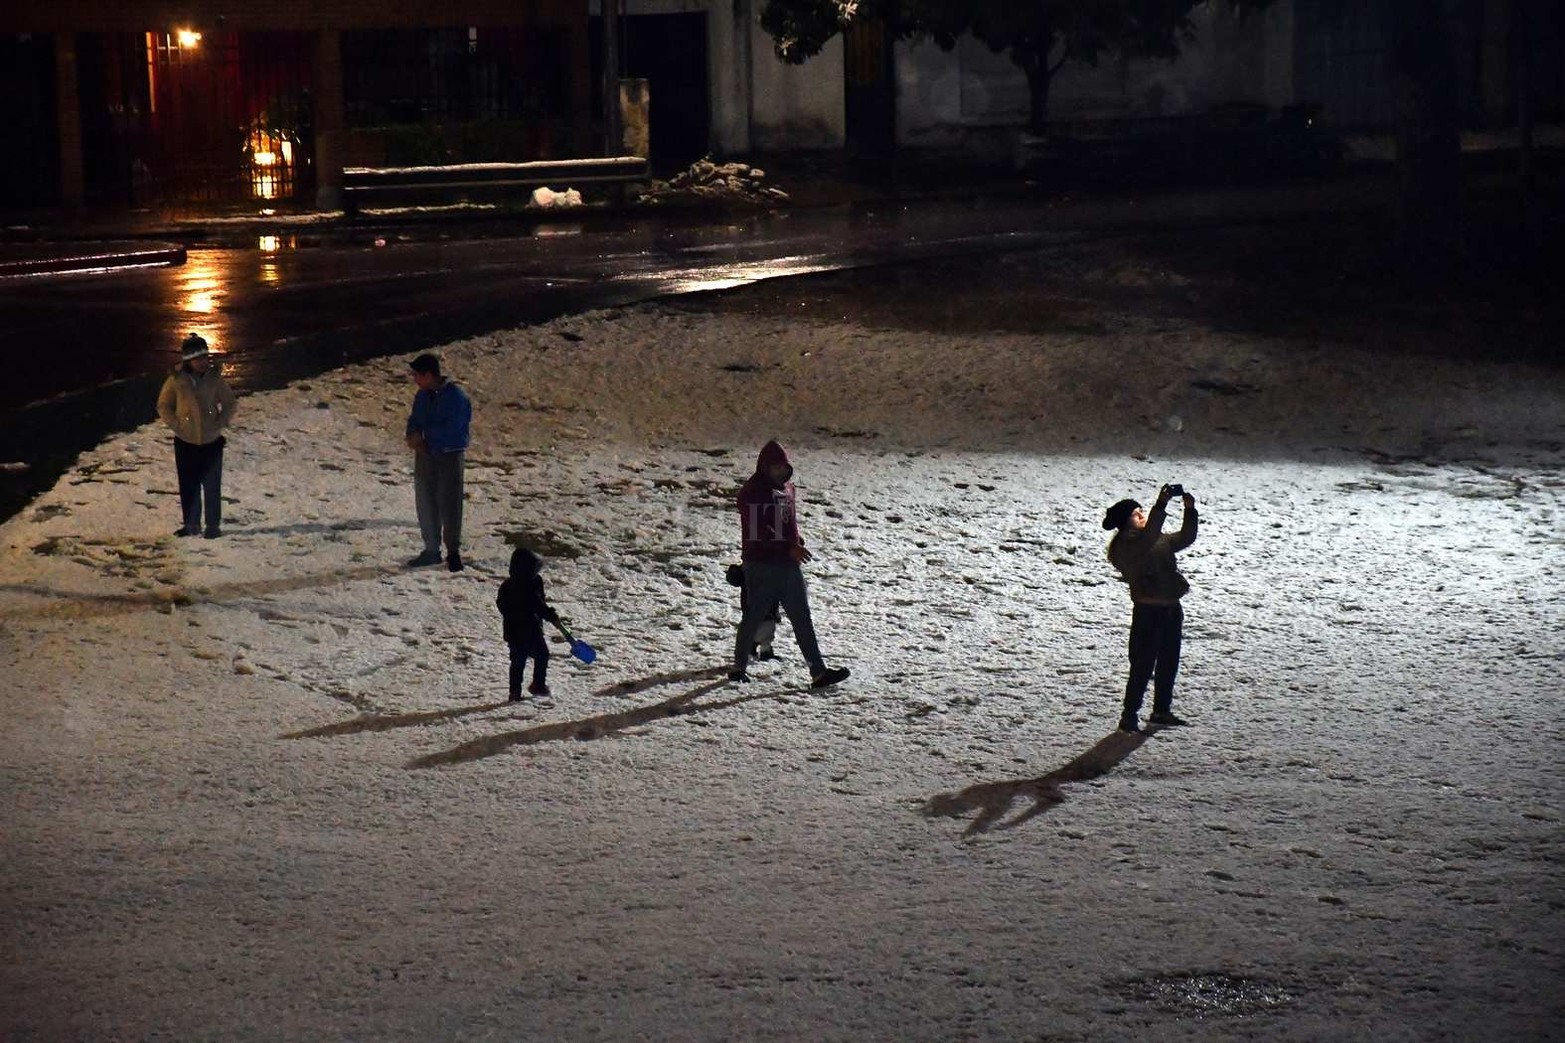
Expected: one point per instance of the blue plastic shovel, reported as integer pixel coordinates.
(579, 648)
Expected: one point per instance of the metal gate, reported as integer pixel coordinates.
(457, 94)
(197, 118)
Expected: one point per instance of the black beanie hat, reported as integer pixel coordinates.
(524, 562)
(1116, 516)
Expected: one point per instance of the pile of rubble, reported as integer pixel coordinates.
(730, 182)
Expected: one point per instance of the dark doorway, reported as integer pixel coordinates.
(30, 176)
(669, 51)
(114, 92)
(870, 97)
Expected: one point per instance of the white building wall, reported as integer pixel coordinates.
(727, 56)
(798, 106)
(971, 95)
(757, 101)
(970, 98)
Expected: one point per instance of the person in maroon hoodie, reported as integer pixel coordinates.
(772, 552)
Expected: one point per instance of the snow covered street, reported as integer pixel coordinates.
(269, 786)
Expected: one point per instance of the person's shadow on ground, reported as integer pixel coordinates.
(658, 680)
(72, 604)
(993, 800)
(385, 722)
(605, 724)
(315, 528)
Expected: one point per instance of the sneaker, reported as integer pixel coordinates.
(429, 557)
(1129, 724)
(764, 653)
(1166, 719)
(828, 677)
(738, 677)
(540, 690)
(453, 562)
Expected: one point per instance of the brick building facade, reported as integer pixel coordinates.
(142, 101)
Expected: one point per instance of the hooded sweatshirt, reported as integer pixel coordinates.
(520, 601)
(1145, 558)
(442, 415)
(196, 407)
(768, 521)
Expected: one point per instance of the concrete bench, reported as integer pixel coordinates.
(363, 186)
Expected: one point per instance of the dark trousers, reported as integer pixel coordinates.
(1156, 632)
(767, 586)
(437, 494)
(200, 469)
(530, 646)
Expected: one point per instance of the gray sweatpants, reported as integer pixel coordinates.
(765, 587)
(437, 493)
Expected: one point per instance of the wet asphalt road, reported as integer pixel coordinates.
(285, 308)
(88, 352)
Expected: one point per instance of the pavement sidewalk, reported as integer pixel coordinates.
(52, 243)
(20, 260)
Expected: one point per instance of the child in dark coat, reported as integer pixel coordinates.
(762, 649)
(523, 610)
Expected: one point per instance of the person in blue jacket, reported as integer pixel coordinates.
(437, 433)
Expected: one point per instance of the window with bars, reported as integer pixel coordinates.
(188, 117)
(453, 75)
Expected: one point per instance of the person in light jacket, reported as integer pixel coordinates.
(198, 405)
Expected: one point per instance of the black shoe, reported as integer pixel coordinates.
(429, 557)
(516, 697)
(828, 677)
(212, 533)
(540, 690)
(764, 653)
(1166, 719)
(454, 562)
(1129, 724)
(738, 677)
(184, 532)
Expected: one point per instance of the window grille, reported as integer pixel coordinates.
(453, 75)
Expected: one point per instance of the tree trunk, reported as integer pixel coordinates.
(1428, 132)
(1522, 44)
(1039, 78)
